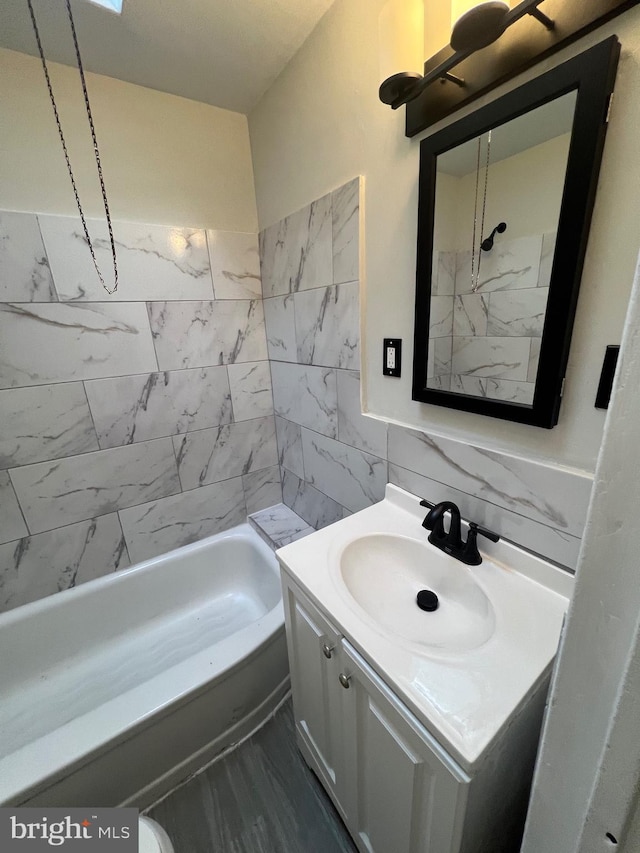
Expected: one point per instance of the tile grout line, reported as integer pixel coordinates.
(93, 422)
(22, 512)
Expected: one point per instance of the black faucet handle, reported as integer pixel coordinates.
(427, 503)
(484, 532)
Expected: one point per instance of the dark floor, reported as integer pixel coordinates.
(261, 798)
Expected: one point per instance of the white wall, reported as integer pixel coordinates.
(524, 190)
(166, 160)
(588, 771)
(321, 123)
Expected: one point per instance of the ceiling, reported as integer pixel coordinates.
(532, 128)
(221, 52)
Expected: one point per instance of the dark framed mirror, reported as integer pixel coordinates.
(505, 204)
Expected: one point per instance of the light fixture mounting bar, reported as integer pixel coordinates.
(517, 49)
(441, 72)
(544, 20)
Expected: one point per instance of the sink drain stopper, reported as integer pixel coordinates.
(427, 600)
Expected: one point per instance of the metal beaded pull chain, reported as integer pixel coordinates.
(66, 153)
(475, 273)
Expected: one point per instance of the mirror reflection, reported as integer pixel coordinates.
(497, 206)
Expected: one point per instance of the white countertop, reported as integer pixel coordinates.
(463, 698)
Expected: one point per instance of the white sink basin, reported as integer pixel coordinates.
(384, 573)
(465, 669)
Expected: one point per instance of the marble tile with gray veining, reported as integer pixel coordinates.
(128, 409)
(46, 343)
(279, 317)
(306, 395)
(12, 524)
(510, 265)
(289, 439)
(262, 489)
(328, 326)
(345, 209)
(235, 265)
(41, 565)
(354, 428)
(556, 545)
(444, 274)
(500, 358)
(461, 384)
(442, 350)
(280, 525)
(510, 391)
(56, 493)
(316, 508)
(546, 258)
(154, 261)
(162, 525)
(211, 455)
(431, 361)
(465, 267)
(517, 313)
(441, 317)
(352, 477)
(251, 394)
(24, 269)
(470, 315)
(554, 496)
(309, 246)
(274, 260)
(296, 253)
(439, 383)
(44, 422)
(534, 360)
(204, 334)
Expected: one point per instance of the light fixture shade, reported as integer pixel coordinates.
(480, 26)
(397, 86)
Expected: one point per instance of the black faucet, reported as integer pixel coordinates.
(451, 541)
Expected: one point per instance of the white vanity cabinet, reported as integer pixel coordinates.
(403, 792)
(396, 788)
(423, 727)
(315, 656)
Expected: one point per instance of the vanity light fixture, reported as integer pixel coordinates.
(486, 51)
(476, 29)
(484, 23)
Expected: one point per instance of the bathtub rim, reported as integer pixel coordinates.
(91, 587)
(174, 687)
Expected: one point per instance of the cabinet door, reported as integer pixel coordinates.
(314, 660)
(404, 793)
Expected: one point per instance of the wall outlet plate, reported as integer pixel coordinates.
(391, 356)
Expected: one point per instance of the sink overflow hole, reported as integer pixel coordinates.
(427, 600)
(612, 838)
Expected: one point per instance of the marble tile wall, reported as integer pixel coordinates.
(222, 379)
(132, 423)
(498, 325)
(333, 459)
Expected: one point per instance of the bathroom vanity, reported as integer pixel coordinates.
(422, 726)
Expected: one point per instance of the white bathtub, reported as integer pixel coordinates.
(113, 692)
